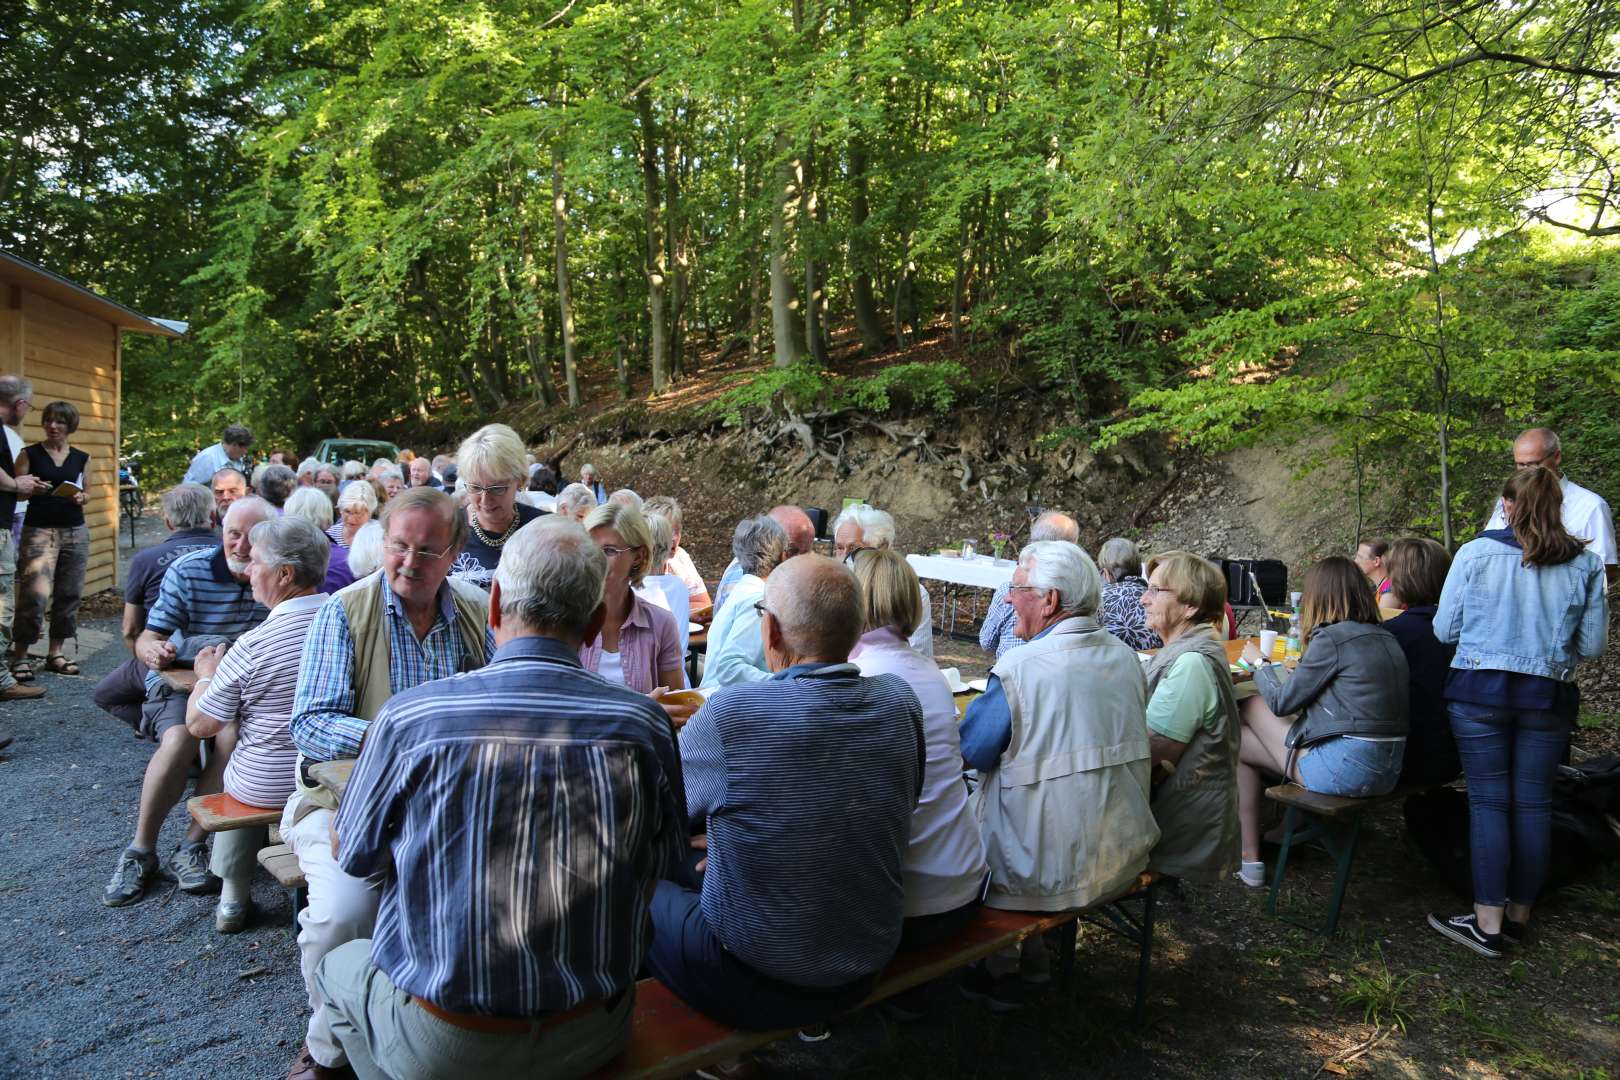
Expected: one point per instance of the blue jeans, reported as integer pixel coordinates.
(1353, 768)
(1509, 757)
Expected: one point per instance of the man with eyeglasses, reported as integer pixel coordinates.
(382, 635)
(1586, 514)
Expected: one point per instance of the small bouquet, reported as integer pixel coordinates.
(998, 543)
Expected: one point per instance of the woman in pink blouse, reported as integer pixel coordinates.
(640, 645)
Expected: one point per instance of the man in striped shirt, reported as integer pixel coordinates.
(206, 598)
(519, 817)
(806, 782)
(385, 634)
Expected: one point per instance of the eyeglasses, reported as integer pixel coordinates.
(1532, 464)
(1026, 588)
(759, 606)
(613, 552)
(400, 550)
(494, 491)
(1154, 590)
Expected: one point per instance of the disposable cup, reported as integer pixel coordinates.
(1268, 643)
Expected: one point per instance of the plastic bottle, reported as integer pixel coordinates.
(1294, 647)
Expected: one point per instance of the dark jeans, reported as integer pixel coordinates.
(921, 931)
(687, 957)
(122, 692)
(1509, 757)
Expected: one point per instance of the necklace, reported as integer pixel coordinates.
(488, 540)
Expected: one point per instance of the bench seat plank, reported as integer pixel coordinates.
(283, 865)
(220, 812)
(1332, 806)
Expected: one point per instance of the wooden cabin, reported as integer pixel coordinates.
(68, 342)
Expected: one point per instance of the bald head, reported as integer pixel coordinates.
(1538, 446)
(815, 612)
(1055, 525)
(801, 533)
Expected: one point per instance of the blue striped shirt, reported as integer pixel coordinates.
(996, 632)
(200, 599)
(324, 727)
(807, 781)
(521, 815)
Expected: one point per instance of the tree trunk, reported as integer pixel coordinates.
(813, 295)
(657, 360)
(867, 320)
(959, 289)
(677, 254)
(565, 299)
(787, 343)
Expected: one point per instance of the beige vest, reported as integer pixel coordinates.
(1065, 815)
(368, 630)
(1197, 807)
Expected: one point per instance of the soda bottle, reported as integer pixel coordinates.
(1294, 645)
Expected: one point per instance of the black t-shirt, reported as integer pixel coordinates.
(477, 561)
(50, 511)
(147, 568)
(1431, 752)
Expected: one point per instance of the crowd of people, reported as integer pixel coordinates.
(542, 811)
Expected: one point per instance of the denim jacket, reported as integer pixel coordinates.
(1505, 616)
(1351, 681)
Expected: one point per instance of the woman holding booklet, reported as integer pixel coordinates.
(55, 543)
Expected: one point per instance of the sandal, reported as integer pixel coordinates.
(60, 665)
(22, 670)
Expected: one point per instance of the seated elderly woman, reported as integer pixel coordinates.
(366, 552)
(860, 526)
(998, 632)
(680, 563)
(1417, 573)
(351, 470)
(1122, 612)
(393, 481)
(1192, 719)
(944, 867)
(659, 587)
(575, 501)
(736, 651)
(493, 471)
(248, 691)
(356, 505)
(309, 504)
(1349, 692)
(639, 645)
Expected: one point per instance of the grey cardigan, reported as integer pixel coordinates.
(1352, 680)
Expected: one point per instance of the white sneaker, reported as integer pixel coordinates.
(1252, 874)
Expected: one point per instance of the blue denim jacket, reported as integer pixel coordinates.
(1504, 616)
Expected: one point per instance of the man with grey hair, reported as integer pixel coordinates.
(449, 782)
(307, 470)
(626, 497)
(736, 651)
(1586, 513)
(16, 395)
(998, 632)
(230, 452)
(589, 478)
(801, 539)
(206, 598)
(1123, 615)
(187, 514)
(859, 527)
(1073, 694)
(275, 484)
(574, 502)
(813, 768)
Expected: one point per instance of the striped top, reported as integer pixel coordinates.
(200, 601)
(324, 727)
(807, 782)
(253, 689)
(520, 816)
(996, 632)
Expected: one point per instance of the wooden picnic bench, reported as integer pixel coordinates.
(220, 812)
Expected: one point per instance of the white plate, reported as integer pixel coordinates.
(694, 628)
(953, 679)
(981, 685)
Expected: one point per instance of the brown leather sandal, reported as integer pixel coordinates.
(58, 664)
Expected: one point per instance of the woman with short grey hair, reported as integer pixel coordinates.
(736, 650)
(575, 501)
(356, 505)
(1123, 615)
(243, 698)
(308, 503)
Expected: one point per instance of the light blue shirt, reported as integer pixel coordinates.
(736, 649)
(209, 461)
(728, 581)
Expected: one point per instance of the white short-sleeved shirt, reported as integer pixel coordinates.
(253, 689)
(1585, 514)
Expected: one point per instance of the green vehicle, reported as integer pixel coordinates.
(337, 451)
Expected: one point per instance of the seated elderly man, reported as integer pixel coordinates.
(250, 689)
(1060, 741)
(736, 651)
(574, 502)
(228, 485)
(422, 474)
(1122, 612)
(229, 453)
(801, 540)
(512, 926)
(805, 784)
(382, 635)
(859, 527)
(188, 515)
(998, 632)
(206, 597)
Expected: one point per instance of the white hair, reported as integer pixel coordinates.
(391, 471)
(295, 542)
(243, 505)
(876, 526)
(309, 467)
(357, 493)
(551, 575)
(1055, 525)
(188, 506)
(311, 504)
(366, 550)
(492, 454)
(575, 501)
(625, 497)
(1060, 565)
(352, 470)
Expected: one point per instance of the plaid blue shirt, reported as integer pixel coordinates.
(199, 602)
(520, 816)
(324, 727)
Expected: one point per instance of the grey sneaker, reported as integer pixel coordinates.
(128, 884)
(189, 865)
(231, 916)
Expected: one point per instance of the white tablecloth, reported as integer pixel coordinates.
(983, 573)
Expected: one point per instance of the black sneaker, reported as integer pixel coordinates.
(998, 995)
(189, 865)
(1513, 932)
(128, 884)
(1464, 930)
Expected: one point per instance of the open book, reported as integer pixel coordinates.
(66, 490)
